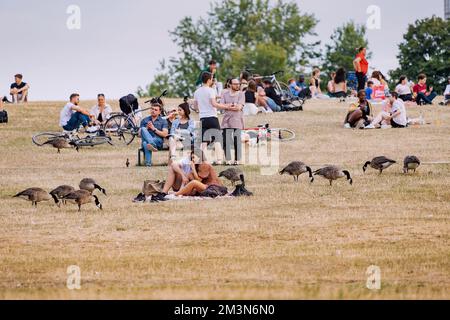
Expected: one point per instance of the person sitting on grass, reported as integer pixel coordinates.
(182, 130)
(19, 90)
(360, 114)
(275, 103)
(299, 89)
(206, 176)
(396, 118)
(446, 94)
(181, 172)
(154, 129)
(369, 90)
(421, 93)
(72, 116)
(101, 111)
(339, 84)
(403, 89)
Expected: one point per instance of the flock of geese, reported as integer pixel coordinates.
(65, 194)
(333, 173)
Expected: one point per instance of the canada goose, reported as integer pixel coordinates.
(411, 163)
(333, 173)
(81, 197)
(296, 169)
(36, 195)
(61, 143)
(90, 185)
(241, 190)
(231, 174)
(379, 163)
(61, 192)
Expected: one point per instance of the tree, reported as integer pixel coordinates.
(240, 29)
(343, 47)
(425, 49)
(159, 84)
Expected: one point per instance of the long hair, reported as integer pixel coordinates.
(400, 80)
(186, 109)
(341, 76)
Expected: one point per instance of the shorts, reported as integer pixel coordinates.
(211, 129)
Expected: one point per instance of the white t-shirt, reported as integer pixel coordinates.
(400, 119)
(203, 96)
(447, 90)
(403, 89)
(66, 114)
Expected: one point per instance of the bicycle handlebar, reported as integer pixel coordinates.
(163, 94)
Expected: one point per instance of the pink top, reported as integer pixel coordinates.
(233, 119)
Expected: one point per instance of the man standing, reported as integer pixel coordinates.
(207, 105)
(19, 90)
(421, 92)
(361, 67)
(72, 116)
(211, 68)
(154, 129)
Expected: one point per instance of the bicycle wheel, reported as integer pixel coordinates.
(120, 129)
(282, 134)
(46, 137)
(92, 141)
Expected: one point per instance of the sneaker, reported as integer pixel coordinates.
(347, 126)
(140, 198)
(370, 126)
(5, 100)
(92, 129)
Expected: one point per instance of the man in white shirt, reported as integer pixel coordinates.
(72, 116)
(207, 105)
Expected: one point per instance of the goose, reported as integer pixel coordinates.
(61, 143)
(81, 197)
(379, 163)
(333, 173)
(62, 191)
(296, 169)
(36, 195)
(90, 185)
(232, 174)
(411, 163)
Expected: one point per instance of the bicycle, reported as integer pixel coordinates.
(46, 138)
(123, 127)
(283, 90)
(265, 132)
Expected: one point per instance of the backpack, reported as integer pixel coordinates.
(214, 191)
(152, 187)
(3, 116)
(128, 104)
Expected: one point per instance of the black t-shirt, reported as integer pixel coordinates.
(272, 94)
(18, 86)
(250, 97)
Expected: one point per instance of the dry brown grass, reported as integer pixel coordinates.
(290, 241)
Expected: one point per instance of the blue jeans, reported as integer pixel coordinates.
(272, 105)
(150, 138)
(76, 120)
(427, 99)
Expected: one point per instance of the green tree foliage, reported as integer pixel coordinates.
(426, 49)
(273, 34)
(342, 50)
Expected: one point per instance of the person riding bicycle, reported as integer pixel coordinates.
(72, 116)
(154, 129)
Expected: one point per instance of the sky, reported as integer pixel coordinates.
(120, 42)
